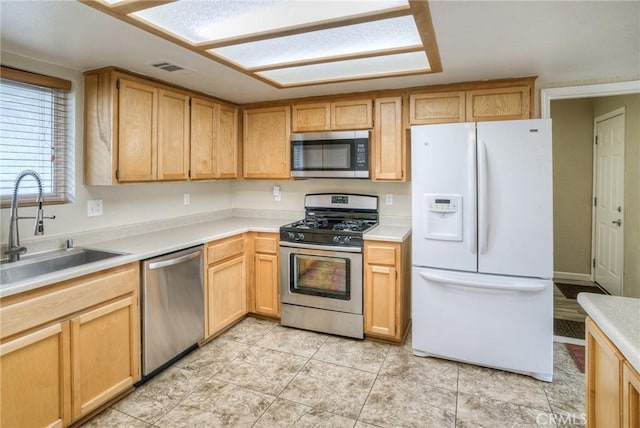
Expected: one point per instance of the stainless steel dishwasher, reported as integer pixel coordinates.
(172, 307)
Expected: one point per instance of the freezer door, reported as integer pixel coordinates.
(444, 196)
(515, 198)
(488, 320)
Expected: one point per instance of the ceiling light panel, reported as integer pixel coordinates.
(199, 21)
(387, 65)
(380, 35)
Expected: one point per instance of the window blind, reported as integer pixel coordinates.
(35, 134)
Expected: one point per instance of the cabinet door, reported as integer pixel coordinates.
(104, 353)
(603, 377)
(36, 379)
(227, 293)
(311, 117)
(387, 149)
(227, 153)
(352, 114)
(380, 300)
(630, 397)
(442, 107)
(137, 131)
(498, 104)
(266, 143)
(173, 135)
(204, 118)
(266, 280)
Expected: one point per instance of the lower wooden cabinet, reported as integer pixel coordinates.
(630, 397)
(226, 283)
(69, 348)
(35, 371)
(104, 348)
(612, 385)
(227, 293)
(266, 274)
(387, 290)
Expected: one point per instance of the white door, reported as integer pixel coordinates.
(443, 193)
(609, 202)
(515, 198)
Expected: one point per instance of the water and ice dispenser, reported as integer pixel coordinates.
(442, 217)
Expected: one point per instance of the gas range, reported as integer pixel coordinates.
(333, 219)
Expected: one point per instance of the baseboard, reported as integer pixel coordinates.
(576, 278)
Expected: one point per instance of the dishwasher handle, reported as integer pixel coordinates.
(177, 260)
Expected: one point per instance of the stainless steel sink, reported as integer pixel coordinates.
(51, 261)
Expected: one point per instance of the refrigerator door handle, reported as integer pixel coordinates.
(448, 280)
(473, 224)
(483, 196)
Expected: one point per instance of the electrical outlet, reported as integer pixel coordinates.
(277, 193)
(388, 199)
(187, 199)
(94, 208)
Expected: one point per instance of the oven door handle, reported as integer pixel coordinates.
(321, 247)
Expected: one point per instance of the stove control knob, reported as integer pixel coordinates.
(336, 239)
(346, 240)
(291, 235)
(300, 236)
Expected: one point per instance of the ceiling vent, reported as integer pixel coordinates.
(167, 66)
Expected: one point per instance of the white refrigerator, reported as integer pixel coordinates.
(482, 244)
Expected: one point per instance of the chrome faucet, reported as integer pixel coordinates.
(15, 250)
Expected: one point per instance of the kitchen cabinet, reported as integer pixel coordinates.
(438, 107)
(266, 140)
(328, 116)
(387, 292)
(214, 140)
(173, 135)
(139, 130)
(69, 348)
(604, 364)
(507, 99)
(388, 148)
(104, 344)
(498, 103)
(226, 283)
(266, 274)
(630, 397)
(36, 378)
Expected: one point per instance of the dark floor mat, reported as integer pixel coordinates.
(577, 354)
(570, 291)
(566, 328)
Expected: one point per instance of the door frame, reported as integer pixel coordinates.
(586, 91)
(594, 209)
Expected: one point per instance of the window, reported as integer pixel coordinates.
(35, 134)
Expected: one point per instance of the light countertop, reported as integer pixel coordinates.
(147, 245)
(619, 319)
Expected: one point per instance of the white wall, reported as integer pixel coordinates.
(126, 204)
(258, 194)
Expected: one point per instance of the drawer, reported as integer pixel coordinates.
(220, 250)
(67, 298)
(381, 255)
(266, 244)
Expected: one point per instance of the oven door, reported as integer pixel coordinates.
(322, 277)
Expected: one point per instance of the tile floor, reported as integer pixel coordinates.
(259, 374)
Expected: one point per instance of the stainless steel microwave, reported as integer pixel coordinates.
(335, 154)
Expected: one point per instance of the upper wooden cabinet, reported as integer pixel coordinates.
(439, 107)
(138, 130)
(339, 115)
(498, 104)
(388, 150)
(173, 135)
(214, 140)
(473, 102)
(266, 141)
